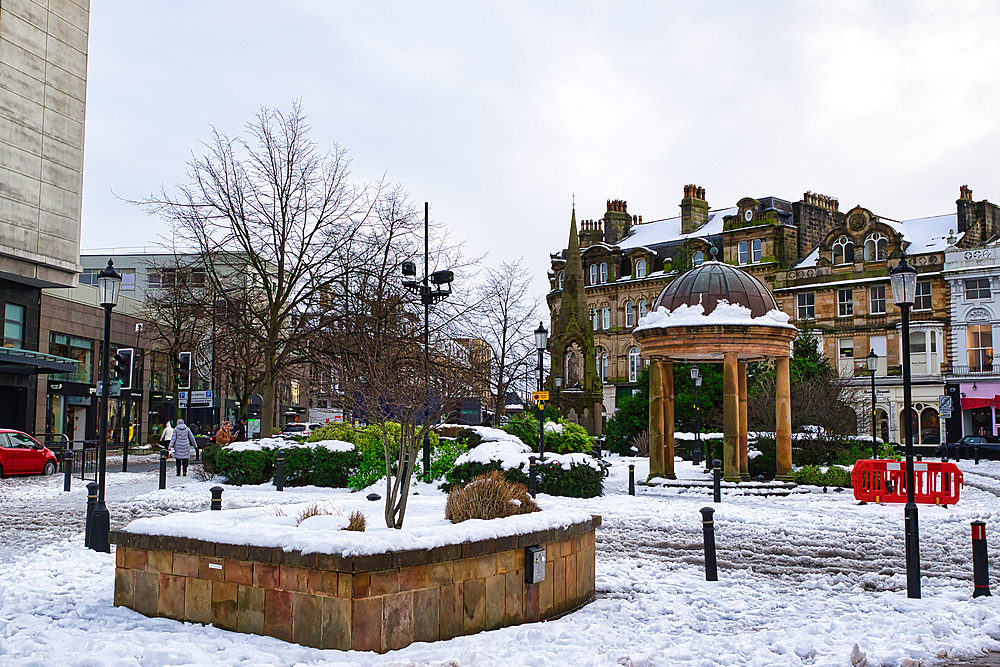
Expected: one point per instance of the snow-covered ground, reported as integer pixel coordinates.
(803, 579)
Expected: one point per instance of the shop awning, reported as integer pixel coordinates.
(973, 403)
(28, 362)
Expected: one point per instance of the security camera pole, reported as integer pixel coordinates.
(442, 288)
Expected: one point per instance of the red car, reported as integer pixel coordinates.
(20, 454)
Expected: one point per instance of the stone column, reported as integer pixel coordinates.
(744, 449)
(667, 382)
(655, 421)
(731, 419)
(783, 419)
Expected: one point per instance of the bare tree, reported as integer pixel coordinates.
(507, 312)
(271, 217)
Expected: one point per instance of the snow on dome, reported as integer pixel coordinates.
(725, 313)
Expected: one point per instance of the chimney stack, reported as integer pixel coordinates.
(694, 208)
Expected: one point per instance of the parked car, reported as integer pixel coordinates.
(299, 428)
(989, 447)
(20, 454)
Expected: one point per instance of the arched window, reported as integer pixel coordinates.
(633, 364)
(593, 274)
(699, 258)
(913, 425)
(595, 318)
(876, 247)
(629, 314)
(882, 420)
(601, 358)
(562, 279)
(843, 251)
(640, 269)
(930, 427)
(604, 272)
(642, 308)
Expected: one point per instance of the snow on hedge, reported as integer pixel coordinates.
(513, 453)
(281, 443)
(725, 313)
(269, 527)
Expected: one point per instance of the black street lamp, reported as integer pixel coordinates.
(541, 342)
(441, 281)
(904, 287)
(558, 381)
(109, 283)
(696, 378)
(872, 361)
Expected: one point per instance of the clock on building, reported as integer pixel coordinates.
(748, 214)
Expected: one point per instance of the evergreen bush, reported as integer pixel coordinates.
(245, 467)
(571, 438)
(209, 456)
(580, 481)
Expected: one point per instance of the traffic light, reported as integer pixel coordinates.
(184, 370)
(123, 366)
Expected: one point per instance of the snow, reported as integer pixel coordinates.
(513, 453)
(724, 313)
(281, 443)
(663, 231)
(802, 581)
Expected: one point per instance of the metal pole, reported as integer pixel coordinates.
(631, 479)
(91, 504)
(912, 532)
(717, 480)
(708, 530)
(874, 443)
(101, 520)
(216, 497)
(426, 297)
(980, 562)
(67, 469)
(279, 470)
(163, 468)
(541, 411)
(532, 475)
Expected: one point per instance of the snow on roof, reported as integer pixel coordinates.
(810, 259)
(662, 231)
(724, 313)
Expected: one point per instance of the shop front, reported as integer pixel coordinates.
(979, 402)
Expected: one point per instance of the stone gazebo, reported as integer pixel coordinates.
(716, 312)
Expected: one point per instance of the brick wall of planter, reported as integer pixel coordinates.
(366, 603)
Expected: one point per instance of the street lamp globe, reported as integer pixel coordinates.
(558, 381)
(541, 337)
(109, 283)
(872, 361)
(695, 372)
(904, 282)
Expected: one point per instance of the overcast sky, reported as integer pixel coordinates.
(496, 113)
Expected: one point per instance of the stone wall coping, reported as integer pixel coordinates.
(340, 563)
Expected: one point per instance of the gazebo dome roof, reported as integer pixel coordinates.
(713, 281)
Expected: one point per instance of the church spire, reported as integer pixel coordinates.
(573, 306)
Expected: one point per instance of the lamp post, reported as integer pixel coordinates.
(109, 283)
(441, 281)
(904, 287)
(872, 361)
(696, 378)
(558, 380)
(541, 342)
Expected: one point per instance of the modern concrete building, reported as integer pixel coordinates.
(43, 91)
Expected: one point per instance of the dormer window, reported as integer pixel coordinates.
(604, 272)
(843, 251)
(593, 274)
(876, 247)
(640, 268)
(699, 258)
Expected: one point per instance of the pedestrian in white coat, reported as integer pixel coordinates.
(181, 443)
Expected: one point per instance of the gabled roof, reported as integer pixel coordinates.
(664, 231)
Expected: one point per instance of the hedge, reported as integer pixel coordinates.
(304, 466)
(580, 481)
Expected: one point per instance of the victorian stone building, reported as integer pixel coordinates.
(828, 270)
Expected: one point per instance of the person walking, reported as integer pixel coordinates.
(241, 431)
(224, 436)
(168, 432)
(181, 443)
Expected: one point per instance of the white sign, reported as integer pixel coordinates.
(200, 398)
(115, 388)
(944, 403)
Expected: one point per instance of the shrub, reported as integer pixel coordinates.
(489, 496)
(358, 522)
(319, 466)
(464, 473)
(443, 457)
(766, 462)
(209, 457)
(371, 462)
(837, 476)
(571, 438)
(469, 437)
(580, 481)
(245, 467)
(808, 475)
(525, 427)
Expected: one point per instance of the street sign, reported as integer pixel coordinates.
(115, 388)
(540, 396)
(198, 398)
(945, 406)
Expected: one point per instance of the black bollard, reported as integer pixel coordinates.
(163, 468)
(216, 497)
(67, 469)
(708, 527)
(696, 456)
(975, 452)
(91, 504)
(279, 471)
(600, 447)
(631, 479)
(532, 473)
(920, 457)
(717, 479)
(980, 565)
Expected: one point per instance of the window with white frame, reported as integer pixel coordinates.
(807, 306)
(755, 251)
(843, 251)
(977, 288)
(876, 300)
(640, 268)
(923, 300)
(980, 342)
(634, 366)
(593, 274)
(845, 302)
(606, 317)
(595, 318)
(604, 272)
(744, 252)
(601, 359)
(562, 279)
(845, 356)
(876, 247)
(629, 314)
(642, 308)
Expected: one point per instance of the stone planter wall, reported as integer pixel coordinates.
(366, 603)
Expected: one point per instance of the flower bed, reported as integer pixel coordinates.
(263, 572)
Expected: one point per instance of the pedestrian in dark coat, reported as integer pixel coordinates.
(181, 443)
